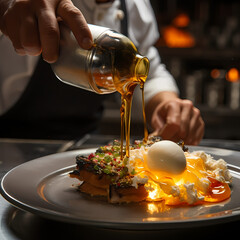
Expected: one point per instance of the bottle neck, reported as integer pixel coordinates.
(142, 68)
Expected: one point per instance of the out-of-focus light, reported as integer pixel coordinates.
(181, 20)
(233, 75)
(178, 38)
(215, 73)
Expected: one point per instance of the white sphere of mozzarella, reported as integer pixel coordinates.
(166, 156)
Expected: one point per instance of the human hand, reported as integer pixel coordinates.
(32, 26)
(176, 120)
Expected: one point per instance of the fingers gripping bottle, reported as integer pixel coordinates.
(110, 65)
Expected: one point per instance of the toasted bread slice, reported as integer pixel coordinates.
(93, 190)
(117, 188)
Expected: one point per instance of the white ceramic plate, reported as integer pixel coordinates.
(42, 186)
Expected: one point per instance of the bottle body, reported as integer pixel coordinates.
(104, 68)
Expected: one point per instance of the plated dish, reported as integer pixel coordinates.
(155, 170)
(43, 186)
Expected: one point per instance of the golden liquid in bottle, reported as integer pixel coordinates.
(104, 81)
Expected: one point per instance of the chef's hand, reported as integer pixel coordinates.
(175, 119)
(32, 25)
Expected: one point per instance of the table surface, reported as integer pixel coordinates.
(17, 224)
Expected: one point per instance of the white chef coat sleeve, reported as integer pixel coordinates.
(15, 73)
(143, 31)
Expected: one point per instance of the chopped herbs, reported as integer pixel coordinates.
(107, 160)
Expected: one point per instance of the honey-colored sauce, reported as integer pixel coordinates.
(125, 86)
(162, 184)
(125, 113)
(195, 173)
(104, 81)
(144, 115)
(218, 191)
(126, 92)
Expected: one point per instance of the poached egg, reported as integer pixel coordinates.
(166, 156)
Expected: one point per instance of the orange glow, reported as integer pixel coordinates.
(177, 38)
(233, 75)
(181, 20)
(162, 187)
(218, 191)
(157, 207)
(215, 73)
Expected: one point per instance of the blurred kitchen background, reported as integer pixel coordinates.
(200, 45)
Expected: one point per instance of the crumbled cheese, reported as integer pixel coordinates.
(204, 184)
(190, 194)
(175, 191)
(135, 156)
(137, 179)
(217, 167)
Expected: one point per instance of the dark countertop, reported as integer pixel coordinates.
(17, 224)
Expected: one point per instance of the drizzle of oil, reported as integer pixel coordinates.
(126, 90)
(144, 114)
(125, 112)
(129, 69)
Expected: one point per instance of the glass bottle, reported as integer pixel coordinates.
(110, 65)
